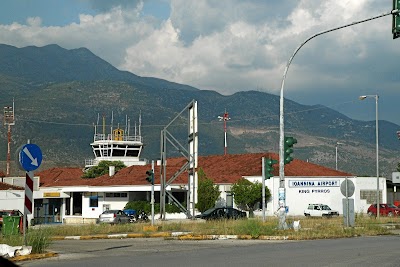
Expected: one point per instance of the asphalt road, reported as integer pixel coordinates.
(360, 251)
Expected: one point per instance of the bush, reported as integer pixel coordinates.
(207, 192)
(103, 168)
(171, 208)
(140, 205)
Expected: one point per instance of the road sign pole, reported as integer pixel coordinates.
(30, 158)
(28, 200)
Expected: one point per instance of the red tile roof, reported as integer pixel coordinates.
(221, 168)
(4, 186)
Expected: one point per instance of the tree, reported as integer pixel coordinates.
(248, 194)
(207, 192)
(103, 168)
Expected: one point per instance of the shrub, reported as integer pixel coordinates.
(103, 168)
(39, 240)
(140, 205)
(207, 192)
(171, 208)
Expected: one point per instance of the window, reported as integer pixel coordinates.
(94, 201)
(117, 195)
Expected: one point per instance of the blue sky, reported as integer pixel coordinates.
(229, 45)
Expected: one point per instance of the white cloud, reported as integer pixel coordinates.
(34, 21)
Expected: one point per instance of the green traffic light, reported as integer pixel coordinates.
(268, 167)
(289, 141)
(396, 19)
(150, 176)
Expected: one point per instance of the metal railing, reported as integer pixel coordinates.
(109, 137)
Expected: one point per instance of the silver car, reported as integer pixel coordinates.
(113, 217)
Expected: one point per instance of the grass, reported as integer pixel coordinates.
(311, 228)
(39, 239)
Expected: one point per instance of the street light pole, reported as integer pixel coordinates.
(281, 190)
(337, 144)
(377, 151)
(336, 155)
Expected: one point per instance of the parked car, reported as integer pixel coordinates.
(113, 217)
(384, 209)
(222, 213)
(320, 210)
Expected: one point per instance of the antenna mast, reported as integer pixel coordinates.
(104, 126)
(9, 120)
(140, 122)
(225, 118)
(112, 121)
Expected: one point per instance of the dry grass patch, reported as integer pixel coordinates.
(311, 228)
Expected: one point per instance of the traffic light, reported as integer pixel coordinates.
(268, 167)
(150, 176)
(396, 19)
(288, 149)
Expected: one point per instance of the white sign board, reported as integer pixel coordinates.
(396, 177)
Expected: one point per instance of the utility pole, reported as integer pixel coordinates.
(225, 118)
(9, 120)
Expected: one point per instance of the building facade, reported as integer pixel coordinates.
(302, 191)
(63, 196)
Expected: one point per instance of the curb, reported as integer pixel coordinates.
(114, 236)
(33, 256)
(170, 235)
(227, 237)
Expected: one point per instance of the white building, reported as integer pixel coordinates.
(301, 191)
(61, 195)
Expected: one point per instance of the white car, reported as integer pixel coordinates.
(320, 210)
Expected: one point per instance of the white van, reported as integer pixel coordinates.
(320, 210)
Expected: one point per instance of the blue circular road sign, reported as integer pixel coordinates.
(30, 157)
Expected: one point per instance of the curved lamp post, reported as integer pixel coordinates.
(377, 150)
(281, 190)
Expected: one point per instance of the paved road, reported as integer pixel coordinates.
(360, 251)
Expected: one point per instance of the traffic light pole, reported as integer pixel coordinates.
(263, 188)
(152, 195)
(281, 192)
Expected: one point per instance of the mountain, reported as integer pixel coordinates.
(60, 93)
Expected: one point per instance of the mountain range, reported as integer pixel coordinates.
(60, 94)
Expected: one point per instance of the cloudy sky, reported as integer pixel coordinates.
(230, 45)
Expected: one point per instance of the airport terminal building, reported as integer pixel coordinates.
(61, 195)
